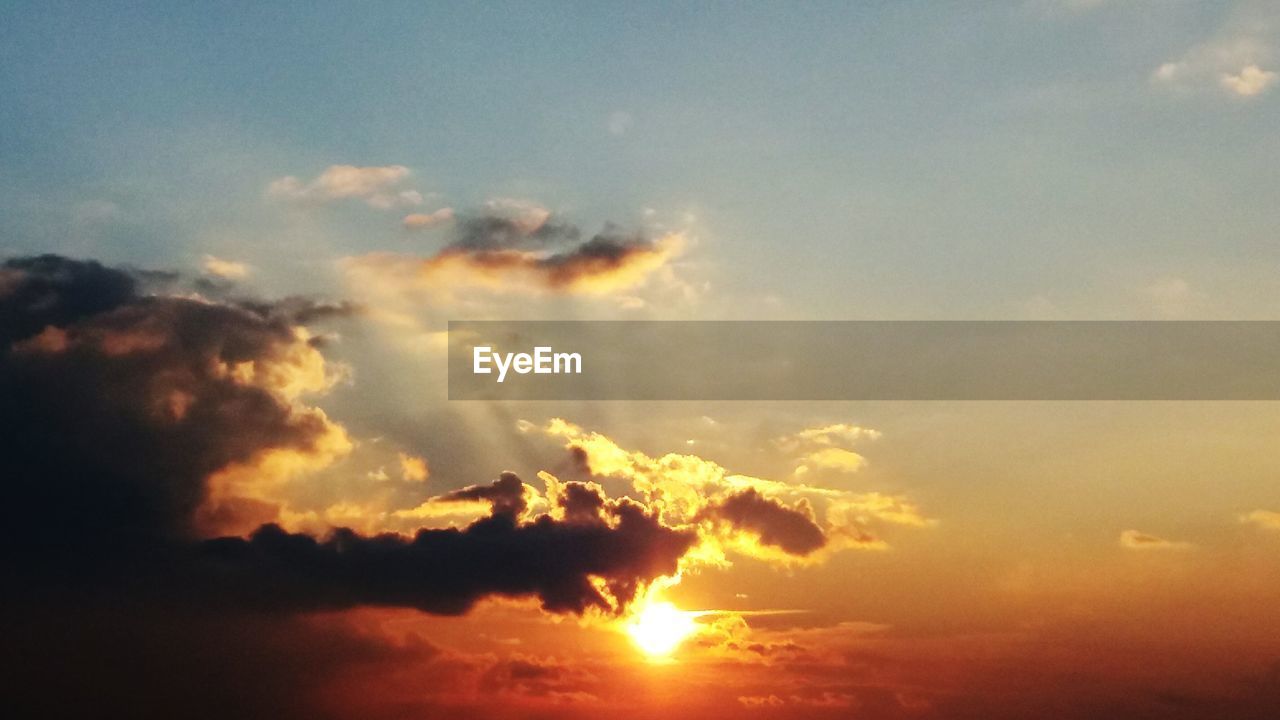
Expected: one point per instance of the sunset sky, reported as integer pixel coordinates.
(232, 237)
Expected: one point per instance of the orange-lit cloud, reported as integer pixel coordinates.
(829, 435)
(413, 468)
(824, 447)
(830, 458)
(756, 517)
(517, 246)
(1266, 519)
(599, 266)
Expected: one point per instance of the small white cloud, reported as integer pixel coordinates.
(229, 269)
(421, 221)
(378, 186)
(1232, 59)
(620, 122)
(1250, 81)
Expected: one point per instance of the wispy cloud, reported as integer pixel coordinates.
(421, 221)
(227, 269)
(1266, 519)
(1137, 540)
(381, 187)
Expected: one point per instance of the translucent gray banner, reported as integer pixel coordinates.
(864, 360)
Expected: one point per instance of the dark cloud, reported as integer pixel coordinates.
(580, 462)
(603, 256)
(49, 290)
(498, 232)
(444, 571)
(514, 255)
(582, 503)
(120, 407)
(113, 660)
(506, 496)
(790, 529)
(301, 310)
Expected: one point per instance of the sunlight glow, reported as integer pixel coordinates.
(658, 628)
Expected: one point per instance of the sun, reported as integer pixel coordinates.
(658, 628)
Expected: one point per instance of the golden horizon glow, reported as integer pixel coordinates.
(658, 628)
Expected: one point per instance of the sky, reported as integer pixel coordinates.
(232, 237)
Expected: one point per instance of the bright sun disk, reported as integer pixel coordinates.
(660, 627)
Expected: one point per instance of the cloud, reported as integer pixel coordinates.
(507, 496)
(1135, 540)
(1266, 519)
(620, 122)
(123, 406)
(752, 702)
(791, 529)
(818, 451)
(1251, 80)
(540, 678)
(854, 510)
(525, 216)
(157, 662)
(570, 567)
(422, 221)
(827, 699)
(837, 459)
(602, 264)
(756, 517)
(1234, 59)
(226, 269)
(529, 227)
(137, 426)
(831, 434)
(525, 251)
(413, 468)
(379, 187)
